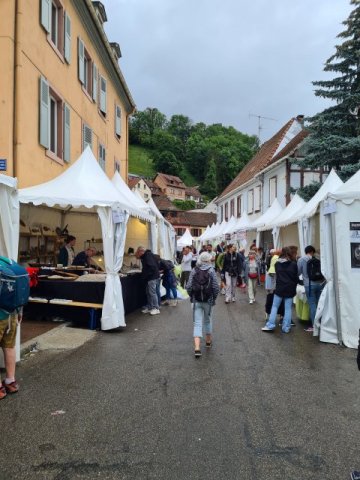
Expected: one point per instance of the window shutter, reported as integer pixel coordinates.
(81, 54)
(45, 14)
(44, 113)
(95, 83)
(87, 136)
(67, 38)
(103, 94)
(102, 156)
(117, 121)
(66, 154)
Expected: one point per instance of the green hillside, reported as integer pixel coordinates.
(140, 163)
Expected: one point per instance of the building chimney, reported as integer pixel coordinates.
(300, 119)
(116, 50)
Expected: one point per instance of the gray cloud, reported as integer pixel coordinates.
(219, 60)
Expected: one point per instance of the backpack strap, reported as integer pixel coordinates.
(5, 260)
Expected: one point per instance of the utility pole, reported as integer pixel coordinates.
(260, 117)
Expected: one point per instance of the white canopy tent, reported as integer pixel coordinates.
(340, 263)
(203, 235)
(229, 228)
(165, 232)
(84, 184)
(9, 229)
(271, 214)
(206, 235)
(185, 240)
(284, 219)
(217, 232)
(243, 223)
(305, 217)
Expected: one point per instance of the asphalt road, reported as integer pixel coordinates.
(136, 404)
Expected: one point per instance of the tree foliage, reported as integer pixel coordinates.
(185, 204)
(334, 139)
(213, 154)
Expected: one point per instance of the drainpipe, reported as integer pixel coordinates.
(16, 102)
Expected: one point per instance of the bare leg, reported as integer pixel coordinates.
(10, 362)
(197, 343)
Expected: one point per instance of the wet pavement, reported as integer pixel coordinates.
(136, 404)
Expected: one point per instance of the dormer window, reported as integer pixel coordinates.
(100, 12)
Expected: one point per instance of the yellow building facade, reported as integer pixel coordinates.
(61, 89)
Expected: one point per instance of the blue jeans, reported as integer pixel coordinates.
(313, 293)
(271, 323)
(202, 314)
(173, 291)
(152, 293)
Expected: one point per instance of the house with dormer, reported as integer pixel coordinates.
(171, 186)
(274, 172)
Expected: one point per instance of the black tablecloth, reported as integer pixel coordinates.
(133, 290)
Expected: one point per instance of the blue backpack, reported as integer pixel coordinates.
(14, 285)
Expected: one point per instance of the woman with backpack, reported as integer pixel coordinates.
(203, 289)
(286, 282)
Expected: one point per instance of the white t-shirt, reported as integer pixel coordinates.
(186, 262)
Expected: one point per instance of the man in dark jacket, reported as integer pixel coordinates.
(231, 271)
(151, 276)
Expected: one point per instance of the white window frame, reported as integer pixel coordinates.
(257, 198)
(250, 201)
(272, 189)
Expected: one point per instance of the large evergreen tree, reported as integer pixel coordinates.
(334, 139)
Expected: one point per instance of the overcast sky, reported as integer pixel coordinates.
(217, 61)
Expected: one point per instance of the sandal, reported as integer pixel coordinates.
(2, 392)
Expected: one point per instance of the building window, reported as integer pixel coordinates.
(102, 157)
(146, 196)
(54, 122)
(180, 231)
(195, 232)
(221, 213)
(238, 206)
(88, 71)
(102, 106)
(257, 199)
(116, 166)
(272, 189)
(232, 207)
(226, 211)
(250, 201)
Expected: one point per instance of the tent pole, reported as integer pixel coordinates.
(336, 278)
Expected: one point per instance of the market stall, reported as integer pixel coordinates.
(337, 319)
(91, 190)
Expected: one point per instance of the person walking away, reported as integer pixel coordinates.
(219, 264)
(151, 276)
(169, 282)
(203, 288)
(313, 283)
(194, 257)
(67, 252)
(231, 271)
(186, 266)
(286, 282)
(251, 273)
(220, 248)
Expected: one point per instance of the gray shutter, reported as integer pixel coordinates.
(118, 121)
(102, 156)
(81, 54)
(66, 154)
(45, 14)
(103, 94)
(95, 83)
(87, 136)
(44, 113)
(67, 38)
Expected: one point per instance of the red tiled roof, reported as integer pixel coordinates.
(155, 189)
(132, 181)
(191, 219)
(291, 146)
(171, 180)
(163, 203)
(192, 191)
(263, 158)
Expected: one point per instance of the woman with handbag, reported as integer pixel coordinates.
(251, 274)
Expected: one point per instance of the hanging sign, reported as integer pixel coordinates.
(329, 207)
(355, 244)
(118, 216)
(3, 164)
